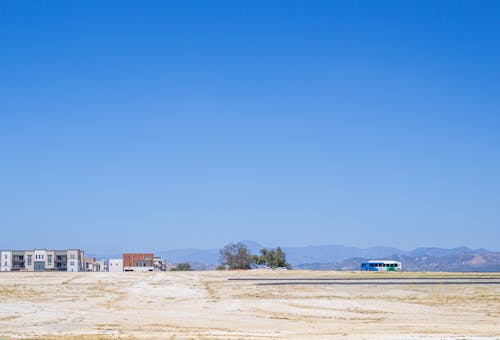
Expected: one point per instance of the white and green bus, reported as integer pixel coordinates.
(381, 265)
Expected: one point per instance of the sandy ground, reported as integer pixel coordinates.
(206, 305)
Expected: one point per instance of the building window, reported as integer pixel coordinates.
(72, 256)
(49, 260)
(29, 260)
(72, 263)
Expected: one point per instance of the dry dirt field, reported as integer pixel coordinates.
(207, 305)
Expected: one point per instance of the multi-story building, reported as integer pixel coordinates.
(90, 264)
(42, 260)
(138, 262)
(101, 266)
(61, 260)
(76, 261)
(50, 259)
(115, 265)
(6, 261)
(18, 260)
(40, 257)
(29, 264)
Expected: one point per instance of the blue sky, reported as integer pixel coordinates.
(133, 125)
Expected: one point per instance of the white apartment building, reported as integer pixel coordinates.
(50, 256)
(102, 266)
(29, 264)
(6, 261)
(41, 260)
(91, 265)
(76, 261)
(39, 257)
(115, 265)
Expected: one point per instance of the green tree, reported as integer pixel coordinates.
(256, 259)
(235, 256)
(181, 267)
(273, 258)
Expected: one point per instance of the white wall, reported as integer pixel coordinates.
(115, 265)
(40, 255)
(6, 261)
(50, 265)
(29, 266)
(74, 264)
(102, 266)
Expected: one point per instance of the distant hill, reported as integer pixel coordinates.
(439, 251)
(332, 253)
(294, 255)
(464, 261)
(199, 256)
(338, 257)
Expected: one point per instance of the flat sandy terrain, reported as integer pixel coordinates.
(207, 305)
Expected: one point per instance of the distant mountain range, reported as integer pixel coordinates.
(337, 257)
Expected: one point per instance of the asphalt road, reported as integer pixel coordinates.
(273, 281)
(358, 279)
(379, 283)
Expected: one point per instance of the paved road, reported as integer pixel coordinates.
(262, 281)
(358, 279)
(382, 282)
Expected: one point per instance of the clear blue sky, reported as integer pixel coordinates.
(152, 125)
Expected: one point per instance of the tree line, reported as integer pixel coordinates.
(238, 256)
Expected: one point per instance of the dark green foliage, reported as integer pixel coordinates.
(235, 256)
(274, 258)
(182, 267)
(256, 259)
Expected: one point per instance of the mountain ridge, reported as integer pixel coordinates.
(298, 256)
(340, 257)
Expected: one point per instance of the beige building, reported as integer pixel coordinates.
(42, 260)
(76, 261)
(91, 265)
